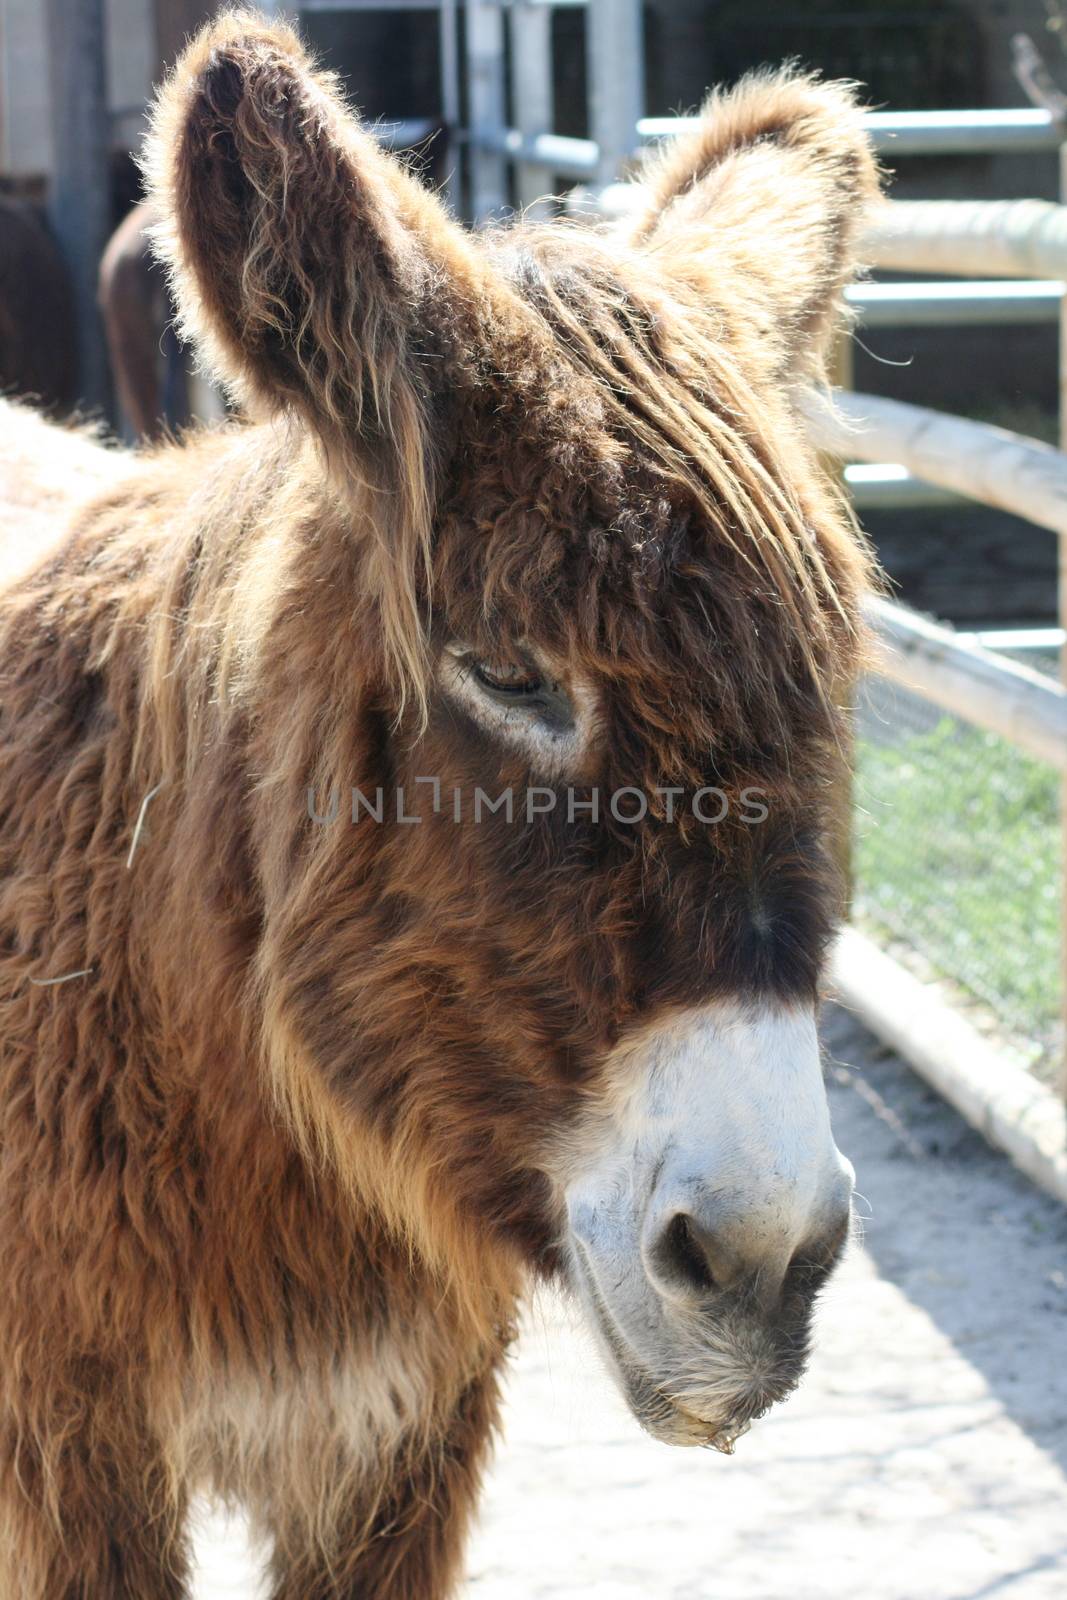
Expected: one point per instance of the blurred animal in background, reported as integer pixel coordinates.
(37, 334)
(147, 360)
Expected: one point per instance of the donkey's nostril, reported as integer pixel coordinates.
(698, 1243)
(685, 1258)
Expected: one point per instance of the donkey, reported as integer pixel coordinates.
(313, 1052)
(37, 329)
(147, 363)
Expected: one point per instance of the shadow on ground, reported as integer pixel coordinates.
(965, 1236)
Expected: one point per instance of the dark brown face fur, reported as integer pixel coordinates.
(508, 958)
(572, 444)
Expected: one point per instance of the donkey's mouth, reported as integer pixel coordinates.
(659, 1414)
(725, 1435)
(667, 1418)
(673, 1423)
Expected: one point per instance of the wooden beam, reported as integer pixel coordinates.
(998, 694)
(1001, 1099)
(969, 238)
(972, 459)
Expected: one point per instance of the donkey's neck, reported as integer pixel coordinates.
(128, 698)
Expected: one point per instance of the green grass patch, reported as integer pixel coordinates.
(958, 854)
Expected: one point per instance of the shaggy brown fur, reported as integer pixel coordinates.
(278, 1101)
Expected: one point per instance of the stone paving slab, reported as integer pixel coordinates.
(924, 1458)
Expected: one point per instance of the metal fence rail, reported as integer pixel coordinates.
(537, 157)
(924, 133)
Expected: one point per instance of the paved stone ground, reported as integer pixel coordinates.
(924, 1458)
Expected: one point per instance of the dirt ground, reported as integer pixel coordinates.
(924, 1458)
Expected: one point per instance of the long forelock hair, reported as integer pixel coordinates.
(631, 411)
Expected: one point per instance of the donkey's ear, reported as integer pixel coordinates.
(292, 239)
(317, 276)
(760, 209)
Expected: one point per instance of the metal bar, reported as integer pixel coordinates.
(569, 158)
(1022, 706)
(450, 100)
(615, 57)
(80, 198)
(485, 82)
(921, 305)
(915, 133)
(962, 132)
(402, 134)
(887, 486)
(532, 99)
(367, 5)
(582, 158)
(1048, 640)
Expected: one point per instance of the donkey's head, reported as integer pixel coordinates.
(568, 546)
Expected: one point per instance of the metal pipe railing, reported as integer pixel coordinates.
(924, 133)
(888, 486)
(486, 101)
(615, 75)
(532, 98)
(563, 156)
(903, 133)
(924, 305)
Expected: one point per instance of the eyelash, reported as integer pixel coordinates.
(518, 686)
(510, 688)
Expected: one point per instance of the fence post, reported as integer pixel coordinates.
(485, 81)
(615, 55)
(531, 95)
(1062, 611)
(450, 100)
(80, 199)
(842, 364)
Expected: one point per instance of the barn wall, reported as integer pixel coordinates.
(176, 21)
(25, 102)
(25, 135)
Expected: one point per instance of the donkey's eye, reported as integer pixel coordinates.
(513, 694)
(517, 683)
